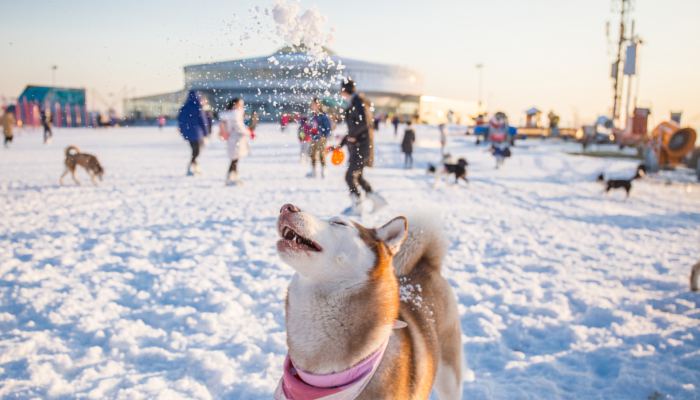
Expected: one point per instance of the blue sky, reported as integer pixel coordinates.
(549, 53)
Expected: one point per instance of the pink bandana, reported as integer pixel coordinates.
(297, 384)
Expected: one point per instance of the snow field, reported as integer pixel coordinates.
(156, 285)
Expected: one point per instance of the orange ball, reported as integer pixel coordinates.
(337, 157)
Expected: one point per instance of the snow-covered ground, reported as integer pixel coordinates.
(156, 285)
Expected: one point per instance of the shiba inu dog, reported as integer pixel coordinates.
(368, 313)
(74, 158)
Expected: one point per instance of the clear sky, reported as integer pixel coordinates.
(549, 53)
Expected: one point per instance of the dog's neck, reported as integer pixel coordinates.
(333, 326)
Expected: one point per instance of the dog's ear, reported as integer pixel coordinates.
(393, 233)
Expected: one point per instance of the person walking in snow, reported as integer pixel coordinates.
(8, 125)
(320, 131)
(409, 137)
(252, 123)
(46, 124)
(284, 121)
(443, 138)
(359, 143)
(193, 127)
(553, 124)
(395, 121)
(498, 135)
(304, 136)
(236, 133)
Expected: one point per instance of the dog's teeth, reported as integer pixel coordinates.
(288, 233)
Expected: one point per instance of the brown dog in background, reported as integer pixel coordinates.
(74, 158)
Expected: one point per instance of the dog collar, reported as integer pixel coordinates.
(297, 384)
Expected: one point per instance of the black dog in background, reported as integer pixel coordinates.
(622, 183)
(459, 170)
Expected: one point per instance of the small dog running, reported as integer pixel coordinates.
(625, 184)
(74, 158)
(458, 169)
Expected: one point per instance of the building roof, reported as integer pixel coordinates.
(369, 76)
(53, 94)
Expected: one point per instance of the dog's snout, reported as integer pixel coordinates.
(289, 208)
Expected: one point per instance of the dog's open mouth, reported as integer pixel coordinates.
(295, 240)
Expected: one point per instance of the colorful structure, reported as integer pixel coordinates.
(66, 106)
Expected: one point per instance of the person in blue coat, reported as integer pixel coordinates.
(193, 125)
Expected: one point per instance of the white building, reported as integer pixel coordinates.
(285, 82)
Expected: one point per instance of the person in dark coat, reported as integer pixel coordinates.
(193, 125)
(359, 143)
(395, 121)
(46, 124)
(409, 137)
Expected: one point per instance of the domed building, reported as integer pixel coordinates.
(285, 82)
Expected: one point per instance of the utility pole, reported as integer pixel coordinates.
(617, 67)
(480, 68)
(636, 42)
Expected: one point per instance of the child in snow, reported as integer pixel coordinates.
(233, 129)
(409, 137)
(321, 130)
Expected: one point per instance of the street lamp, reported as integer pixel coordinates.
(53, 74)
(480, 68)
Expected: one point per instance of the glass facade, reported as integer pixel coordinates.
(286, 82)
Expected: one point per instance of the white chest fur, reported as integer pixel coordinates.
(324, 324)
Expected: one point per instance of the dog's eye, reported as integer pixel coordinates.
(338, 222)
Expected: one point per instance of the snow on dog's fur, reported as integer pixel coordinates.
(344, 300)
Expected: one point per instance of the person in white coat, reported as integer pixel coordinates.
(233, 129)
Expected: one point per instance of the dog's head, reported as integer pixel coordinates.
(335, 249)
(641, 171)
(601, 178)
(462, 162)
(99, 172)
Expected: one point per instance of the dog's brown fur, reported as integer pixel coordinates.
(411, 361)
(694, 276)
(88, 161)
